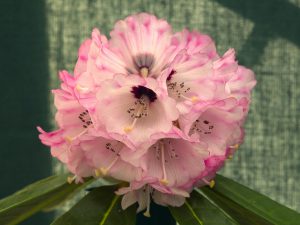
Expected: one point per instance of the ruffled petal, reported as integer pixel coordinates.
(142, 40)
(194, 43)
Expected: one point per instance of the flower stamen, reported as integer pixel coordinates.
(210, 183)
(113, 148)
(71, 179)
(147, 212)
(164, 180)
(70, 139)
(137, 116)
(104, 170)
(193, 99)
(81, 88)
(144, 71)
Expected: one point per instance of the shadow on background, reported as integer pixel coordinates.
(24, 97)
(272, 19)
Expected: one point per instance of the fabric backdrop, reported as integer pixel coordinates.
(40, 37)
(266, 35)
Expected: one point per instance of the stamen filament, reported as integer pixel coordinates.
(147, 212)
(130, 127)
(70, 139)
(104, 170)
(210, 183)
(193, 99)
(164, 180)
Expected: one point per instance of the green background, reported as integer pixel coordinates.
(38, 38)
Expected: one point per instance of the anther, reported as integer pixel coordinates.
(71, 179)
(98, 173)
(81, 88)
(104, 170)
(128, 129)
(236, 146)
(164, 182)
(212, 183)
(194, 99)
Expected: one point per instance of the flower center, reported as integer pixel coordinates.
(140, 91)
(140, 109)
(143, 63)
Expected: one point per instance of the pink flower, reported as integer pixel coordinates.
(134, 108)
(142, 193)
(158, 110)
(140, 44)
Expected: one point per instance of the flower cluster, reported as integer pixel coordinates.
(159, 110)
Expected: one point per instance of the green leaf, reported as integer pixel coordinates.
(198, 210)
(255, 202)
(186, 215)
(230, 203)
(100, 207)
(35, 197)
(231, 209)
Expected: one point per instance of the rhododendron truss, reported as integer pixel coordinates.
(159, 110)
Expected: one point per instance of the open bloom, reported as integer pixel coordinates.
(159, 110)
(134, 108)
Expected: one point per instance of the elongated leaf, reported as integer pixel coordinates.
(186, 215)
(257, 203)
(100, 207)
(198, 210)
(35, 197)
(238, 213)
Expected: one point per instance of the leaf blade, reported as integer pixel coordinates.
(236, 212)
(205, 211)
(255, 202)
(35, 197)
(99, 207)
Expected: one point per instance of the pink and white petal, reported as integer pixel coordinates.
(167, 199)
(241, 83)
(128, 199)
(180, 159)
(194, 42)
(81, 64)
(215, 129)
(226, 66)
(142, 34)
(105, 154)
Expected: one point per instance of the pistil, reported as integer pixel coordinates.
(144, 71)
